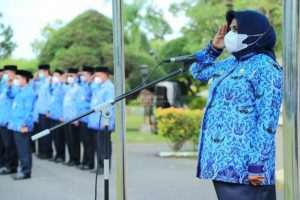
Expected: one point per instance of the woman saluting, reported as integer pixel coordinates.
(237, 137)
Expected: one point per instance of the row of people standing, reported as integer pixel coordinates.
(61, 97)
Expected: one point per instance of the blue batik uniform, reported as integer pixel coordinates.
(71, 102)
(238, 128)
(22, 110)
(57, 92)
(84, 101)
(6, 100)
(43, 95)
(104, 94)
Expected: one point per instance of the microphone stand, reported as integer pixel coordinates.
(105, 111)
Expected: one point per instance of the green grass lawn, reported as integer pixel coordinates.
(133, 124)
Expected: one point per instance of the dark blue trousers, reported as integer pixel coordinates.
(73, 142)
(87, 139)
(100, 148)
(58, 137)
(45, 143)
(10, 157)
(2, 150)
(233, 191)
(23, 143)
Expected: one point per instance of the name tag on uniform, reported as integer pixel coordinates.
(82, 97)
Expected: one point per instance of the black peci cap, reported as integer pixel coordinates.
(25, 73)
(73, 70)
(86, 68)
(10, 67)
(101, 69)
(59, 71)
(44, 66)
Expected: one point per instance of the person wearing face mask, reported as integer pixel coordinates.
(9, 159)
(71, 110)
(237, 136)
(57, 92)
(21, 122)
(85, 95)
(103, 92)
(41, 85)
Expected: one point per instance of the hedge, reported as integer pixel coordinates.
(179, 125)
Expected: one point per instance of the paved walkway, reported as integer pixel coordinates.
(149, 178)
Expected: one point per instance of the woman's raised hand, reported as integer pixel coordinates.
(218, 41)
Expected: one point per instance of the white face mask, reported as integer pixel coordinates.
(55, 80)
(16, 82)
(70, 80)
(5, 78)
(98, 80)
(83, 78)
(234, 41)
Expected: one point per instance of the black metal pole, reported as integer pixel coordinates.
(106, 161)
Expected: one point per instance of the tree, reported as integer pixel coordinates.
(49, 30)
(206, 16)
(143, 17)
(88, 40)
(6, 43)
(79, 42)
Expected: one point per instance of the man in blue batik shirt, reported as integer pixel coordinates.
(103, 91)
(57, 91)
(41, 86)
(21, 122)
(10, 158)
(85, 95)
(70, 110)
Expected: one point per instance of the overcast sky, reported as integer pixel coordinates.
(28, 17)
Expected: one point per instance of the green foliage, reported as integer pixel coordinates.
(82, 41)
(179, 47)
(133, 60)
(6, 43)
(47, 32)
(178, 125)
(144, 17)
(87, 40)
(21, 63)
(195, 102)
(207, 15)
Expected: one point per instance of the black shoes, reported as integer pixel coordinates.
(5, 170)
(86, 167)
(44, 156)
(99, 171)
(72, 163)
(21, 176)
(59, 160)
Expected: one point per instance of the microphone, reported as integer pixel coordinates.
(184, 59)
